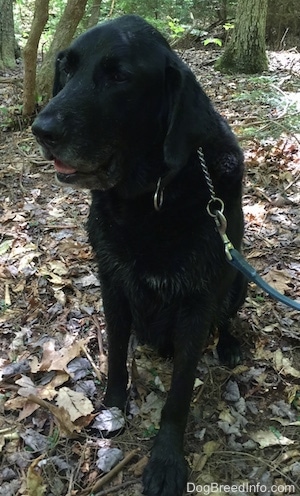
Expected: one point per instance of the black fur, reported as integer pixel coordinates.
(127, 111)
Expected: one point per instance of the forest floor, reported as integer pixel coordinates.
(244, 423)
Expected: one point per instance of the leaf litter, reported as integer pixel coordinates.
(244, 423)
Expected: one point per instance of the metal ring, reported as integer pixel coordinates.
(212, 207)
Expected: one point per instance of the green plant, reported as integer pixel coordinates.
(3, 307)
(175, 27)
(216, 41)
(228, 25)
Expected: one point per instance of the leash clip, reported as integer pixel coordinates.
(221, 223)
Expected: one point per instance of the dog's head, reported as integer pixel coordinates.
(121, 97)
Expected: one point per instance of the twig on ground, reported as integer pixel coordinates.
(96, 370)
(292, 182)
(108, 477)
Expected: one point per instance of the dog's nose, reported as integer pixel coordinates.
(47, 129)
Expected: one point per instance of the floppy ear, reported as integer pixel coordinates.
(188, 115)
(57, 84)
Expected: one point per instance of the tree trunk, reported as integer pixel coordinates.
(94, 13)
(283, 24)
(40, 19)
(246, 52)
(7, 35)
(63, 36)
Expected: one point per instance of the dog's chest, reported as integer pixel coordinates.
(167, 257)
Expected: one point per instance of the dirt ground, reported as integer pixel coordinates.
(243, 431)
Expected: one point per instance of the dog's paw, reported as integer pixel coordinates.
(229, 351)
(165, 476)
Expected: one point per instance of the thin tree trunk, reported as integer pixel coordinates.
(7, 35)
(246, 52)
(40, 18)
(94, 13)
(63, 36)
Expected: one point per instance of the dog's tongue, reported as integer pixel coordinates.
(63, 168)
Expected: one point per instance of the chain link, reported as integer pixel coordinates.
(206, 174)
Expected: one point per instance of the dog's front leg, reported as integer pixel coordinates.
(118, 327)
(166, 472)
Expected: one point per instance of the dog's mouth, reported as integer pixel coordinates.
(64, 172)
(62, 168)
(103, 177)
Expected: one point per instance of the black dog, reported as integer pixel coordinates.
(126, 121)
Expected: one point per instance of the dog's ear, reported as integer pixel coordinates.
(187, 115)
(57, 82)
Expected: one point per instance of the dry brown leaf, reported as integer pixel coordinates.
(28, 409)
(77, 404)
(57, 359)
(34, 481)
(27, 386)
(283, 365)
(58, 267)
(55, 279)
(59, 379)
(65, 355)
(61, 415)
(199, 460)
(15, 403)
(279, 279)
(268, 438)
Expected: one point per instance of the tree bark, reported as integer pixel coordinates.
(40, 19)
(283, 24)
(63, 36)
(94, 13)
(7, 35)
(246, 52)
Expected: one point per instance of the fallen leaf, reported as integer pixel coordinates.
(61, 415)
(57, 359)
(27, 386)
(283, 365)
(268, 438)
(199, 460)
(58, 267)
(109, 420)
(75, 403)
(151, 409)
(5, 246)
(34, 481)
(108, 458)
(27, 259)
(279, 279)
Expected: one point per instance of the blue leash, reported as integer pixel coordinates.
(237, 260)
(240, 264)
(233, 256)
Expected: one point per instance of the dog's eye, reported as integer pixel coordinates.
(111, 71)
(115, 74)
(65, 75)
(118, 77)
(66, 72)
(68, 66)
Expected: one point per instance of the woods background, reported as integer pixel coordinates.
(37, 30)
(244, 424)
